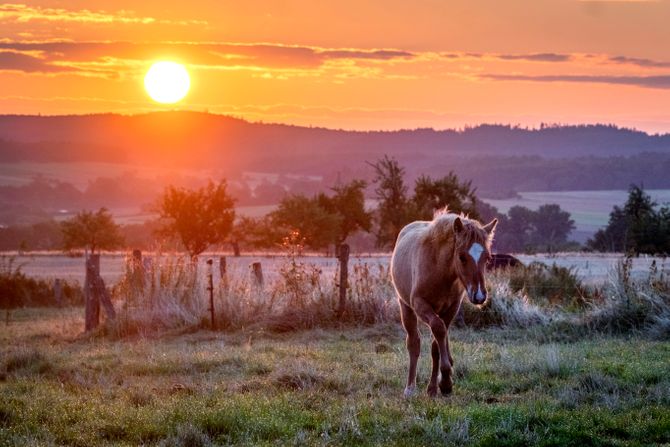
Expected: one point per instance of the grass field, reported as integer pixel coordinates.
(334, 387)
(592, 268)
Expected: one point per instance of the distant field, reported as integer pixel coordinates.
(589, 209)
(78, 174)
(591, 268)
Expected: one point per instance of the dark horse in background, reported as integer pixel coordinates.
(434, 264)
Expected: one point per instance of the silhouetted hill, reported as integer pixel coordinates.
(496, 157)
(200, 139)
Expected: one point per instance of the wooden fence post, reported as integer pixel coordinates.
(257, 272)
(343, 256)
(222, 267)
(210, 288)
(58, 292)
(92, 311)
(105, 298)
(136, 277)
(96, 293)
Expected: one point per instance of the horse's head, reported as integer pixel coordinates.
(472, 252)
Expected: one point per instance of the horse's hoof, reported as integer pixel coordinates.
(409, 392)
(446, 386)
(432, 391)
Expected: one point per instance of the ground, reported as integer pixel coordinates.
(323, 387)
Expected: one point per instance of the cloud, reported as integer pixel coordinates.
(21, 13)
(659, 82)
(536, 57)
(646, 63)
(531, 57)
(375, 54)
(13, 61)
(204, 55)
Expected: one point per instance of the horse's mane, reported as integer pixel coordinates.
(441, 230)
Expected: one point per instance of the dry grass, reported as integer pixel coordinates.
(172, 295)
(327, 386)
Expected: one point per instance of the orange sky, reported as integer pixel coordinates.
(348, 64)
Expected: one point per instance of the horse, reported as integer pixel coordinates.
(433, 265)
(503, 260)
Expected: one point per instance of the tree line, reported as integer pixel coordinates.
(200, 218)
(641, 226)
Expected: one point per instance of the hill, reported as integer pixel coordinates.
(500, 160)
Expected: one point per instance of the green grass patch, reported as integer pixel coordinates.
(330, 387)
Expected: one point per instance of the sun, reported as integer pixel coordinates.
(167, 82)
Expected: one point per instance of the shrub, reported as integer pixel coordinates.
(630, 305)
(19, 290)
(549, 284)
(505, 307)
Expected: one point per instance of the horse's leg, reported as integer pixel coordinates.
(435, 354)
(413, 343)
(448, 318)
(439, 330)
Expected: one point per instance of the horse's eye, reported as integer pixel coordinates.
(462, 258)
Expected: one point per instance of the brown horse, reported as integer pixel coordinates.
(433, 265)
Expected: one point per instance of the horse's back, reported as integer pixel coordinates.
(404, 256)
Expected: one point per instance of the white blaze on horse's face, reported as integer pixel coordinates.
(473, 278)
(476, 252)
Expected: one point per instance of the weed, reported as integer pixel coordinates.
(553, 284)
(187, 435)
(629, 305)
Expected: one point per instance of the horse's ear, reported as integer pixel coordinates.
(458, 225)
(491, 226)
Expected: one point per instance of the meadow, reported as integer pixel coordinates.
(283, 369)
(593, 268)
(324, 387)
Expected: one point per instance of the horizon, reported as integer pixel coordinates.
(461, 129)
(347, 65)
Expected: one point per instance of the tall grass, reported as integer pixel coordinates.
(507, 307)
(631, 305)
(549, 284)
(171, 294)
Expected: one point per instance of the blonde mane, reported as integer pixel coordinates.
(442, 230)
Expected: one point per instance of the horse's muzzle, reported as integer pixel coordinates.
(477, 297)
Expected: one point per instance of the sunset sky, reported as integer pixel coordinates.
(359, 64)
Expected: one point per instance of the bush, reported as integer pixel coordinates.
(505, 307)
(549, 284)
(633, 306)
(19, 290)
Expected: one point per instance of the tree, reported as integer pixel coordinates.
(551, 226)
(431, 195)
(318, 226)
(642, 221)
(613, 237)
(200, 218)
(519, 228)
(635, 228)
(91, 231)
(349, 203)
(395, 210)
(524, 229)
